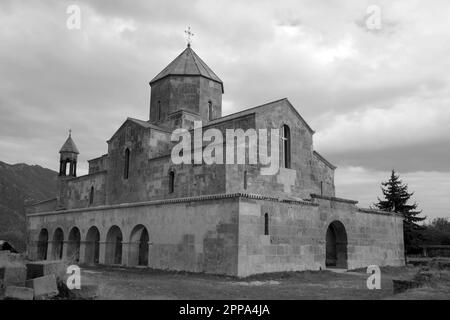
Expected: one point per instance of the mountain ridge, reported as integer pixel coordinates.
(21, 184)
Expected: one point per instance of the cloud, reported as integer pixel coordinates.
(431, 188)
(376, 99)
(409, 122)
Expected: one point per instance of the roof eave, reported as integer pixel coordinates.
(187, 75)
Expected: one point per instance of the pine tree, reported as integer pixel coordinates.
(396, 197)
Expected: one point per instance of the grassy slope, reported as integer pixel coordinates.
(21, 183)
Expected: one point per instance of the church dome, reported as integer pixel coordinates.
(188, 63)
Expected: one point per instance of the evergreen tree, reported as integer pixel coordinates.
(396, 197)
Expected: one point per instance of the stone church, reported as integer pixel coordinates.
(136, 207)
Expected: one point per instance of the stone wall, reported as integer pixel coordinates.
(44, 206)
(226, 234)
(190, 180)
(98, 164)
(305, 176)
(150, 164)
(143, 145)
(197, 234)
(297, 235)
(323, 175)
(192, 94)
(79, 191)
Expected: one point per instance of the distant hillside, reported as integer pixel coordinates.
(20, 183)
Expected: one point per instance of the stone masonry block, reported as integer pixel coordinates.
(19, 293)
(14, 275)
(38, 269)
(44, 287)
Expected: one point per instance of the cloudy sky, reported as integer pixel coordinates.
(378, 98)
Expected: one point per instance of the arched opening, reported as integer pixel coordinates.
(127, 164)
(286, 137)
(210, 111)
(65, 168)
(74, 169)
(266, 224)
(42, 245)
(73, 246)
(336, 246)
(171, 181)
(158, 111)
(139, 246)
(91, 196)
(62, 167)
(114, 246)
(58, 244)
(92, 250)
(245, 180)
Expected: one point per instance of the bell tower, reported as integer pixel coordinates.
(68, 158)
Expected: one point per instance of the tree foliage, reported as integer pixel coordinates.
(396, 199)
(437, 232)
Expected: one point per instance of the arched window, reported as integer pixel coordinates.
(66, 167)
(127, 164)
(159, 110)
(266, 224)
(91, 196)
(171, 181)
(245, 179)
(286, 138)
(210, 110)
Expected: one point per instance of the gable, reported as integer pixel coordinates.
(266, 107)
(137, 123)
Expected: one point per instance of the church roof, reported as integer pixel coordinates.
(69, 146)
(146, 124)
(188, 63)
(141, 123)
(268, 105)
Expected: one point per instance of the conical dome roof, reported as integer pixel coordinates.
(69, 146)
(188, 63)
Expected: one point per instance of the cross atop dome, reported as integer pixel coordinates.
(189, 36)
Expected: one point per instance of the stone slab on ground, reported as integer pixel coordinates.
(38, 269)
(7, 257)
(19, 293)
(86, 292)
(44, 287)
(4, 256)
(403, 285)
(14, 275)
